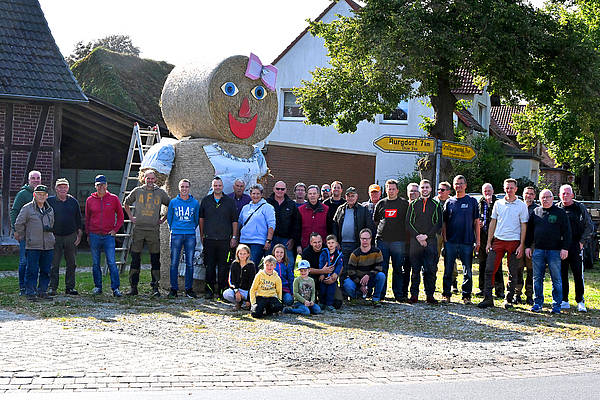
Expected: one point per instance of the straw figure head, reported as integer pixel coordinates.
(223, 102)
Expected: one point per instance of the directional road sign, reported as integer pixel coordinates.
(405, 144)
(458, 151)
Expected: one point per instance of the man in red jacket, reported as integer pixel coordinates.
(103, 218)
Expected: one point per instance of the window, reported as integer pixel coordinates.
(483, 115)
(400, 114)
(291, 109)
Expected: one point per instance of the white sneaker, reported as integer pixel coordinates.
(565, 305)
(581, 307)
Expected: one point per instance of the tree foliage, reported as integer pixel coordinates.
(491, 164)
(117, 43)
(394, 50)
(566, 124)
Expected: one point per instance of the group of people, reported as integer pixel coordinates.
(346, 247)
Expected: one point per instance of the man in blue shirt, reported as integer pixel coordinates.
(460, 232)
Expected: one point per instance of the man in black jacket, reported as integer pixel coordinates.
(549, 231)
(581, 232)
(348, 221)
(287, 219)
(423, 222)
(389, 216)
(218, 229)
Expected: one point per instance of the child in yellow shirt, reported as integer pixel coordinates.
(266, 290)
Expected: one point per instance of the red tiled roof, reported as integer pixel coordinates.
(466, 83)
(502, 115)
(351, 3)
(467, 118)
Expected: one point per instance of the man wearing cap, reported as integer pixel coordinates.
(24, 196)
(349, 219)
(374, 197)
(103, 218)
(68, 230)
(34, 224)
(148, 200)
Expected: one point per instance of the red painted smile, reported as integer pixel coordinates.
(242, 130)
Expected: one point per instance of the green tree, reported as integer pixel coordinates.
(117, 43)
(395, 50)
(491, 164)
(569, 125)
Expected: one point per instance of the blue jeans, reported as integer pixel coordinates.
(353, 291)
(397, 252)
(540, 259)
(328, 293)
(106, 243)
(256, 253)
(22, 264)
(300, 308)
(39, 263)
(464, 252)
(284, 242)
(287, 298)
(188, 242)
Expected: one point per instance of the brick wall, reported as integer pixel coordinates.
(25, 120)
(317, 167)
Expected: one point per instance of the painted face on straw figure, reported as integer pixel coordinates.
(232, 103)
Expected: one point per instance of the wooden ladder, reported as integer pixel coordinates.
(141, 141)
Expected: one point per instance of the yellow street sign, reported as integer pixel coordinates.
(458, 151)
(405, 144)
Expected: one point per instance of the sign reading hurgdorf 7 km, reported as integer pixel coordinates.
(416, 144)
(405, 144)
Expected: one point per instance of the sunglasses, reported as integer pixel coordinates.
(442, 189)
(325, 190)
(280, 189)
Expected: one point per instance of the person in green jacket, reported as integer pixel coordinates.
(24, 196)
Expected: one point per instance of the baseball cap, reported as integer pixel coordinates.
(303, 264)
(41, 188)
(374, 188)
(100, 179)
(351, 189)
(61, 181)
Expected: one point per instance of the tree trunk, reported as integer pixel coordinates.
(443, 105)
(596, 166)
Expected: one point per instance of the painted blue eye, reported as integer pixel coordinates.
(259, 92)
(229, 89)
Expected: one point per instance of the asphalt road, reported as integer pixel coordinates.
(578, 386)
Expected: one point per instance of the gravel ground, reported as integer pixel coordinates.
(394, 337)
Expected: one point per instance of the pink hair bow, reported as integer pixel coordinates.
(266, 73)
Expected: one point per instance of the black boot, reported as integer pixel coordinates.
(486, 302)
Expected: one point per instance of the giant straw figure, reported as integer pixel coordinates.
(218, 113)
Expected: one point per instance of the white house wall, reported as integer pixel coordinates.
(524, 167)
(309, 53)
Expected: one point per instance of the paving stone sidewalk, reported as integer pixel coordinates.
(117, 348)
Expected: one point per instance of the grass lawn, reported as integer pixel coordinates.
(571, 323)
(84, 259)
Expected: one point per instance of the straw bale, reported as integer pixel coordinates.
(191, 163)
(194, 105)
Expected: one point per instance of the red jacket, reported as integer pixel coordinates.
(313, 221)
(100, 214)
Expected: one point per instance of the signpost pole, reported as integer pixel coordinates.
(438, 152)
